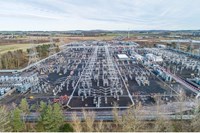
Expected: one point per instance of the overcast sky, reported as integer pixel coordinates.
(99, 14)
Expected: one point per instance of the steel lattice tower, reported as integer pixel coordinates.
(52, 48)
(33, 55)
(191, 46)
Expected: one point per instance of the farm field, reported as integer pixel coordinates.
(14, 45)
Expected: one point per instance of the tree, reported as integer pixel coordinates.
(196, 120)
(130, 123)
(4, 120)
(99, 126)
(24, 106)
(33, 107)
(76, 123)
(51, 118)
(13, 59)
(88, 123)
(162, 125)
(42, 109)
(180, 126)
(66, 128)
(0, 63)
(58, 116)
(17, 123)
(45, 122)
(89, 118)
(117, 118)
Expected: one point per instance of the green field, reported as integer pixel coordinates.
(12, 47)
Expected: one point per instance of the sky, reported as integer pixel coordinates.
(63, 15)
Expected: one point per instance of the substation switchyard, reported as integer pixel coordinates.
(99, 75)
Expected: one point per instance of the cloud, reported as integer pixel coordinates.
(107, 14)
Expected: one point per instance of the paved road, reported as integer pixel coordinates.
(107, 116)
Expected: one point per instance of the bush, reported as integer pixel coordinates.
(66, 128)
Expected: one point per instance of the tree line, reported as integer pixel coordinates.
(51, 119)
(18, 59)
(13, 59)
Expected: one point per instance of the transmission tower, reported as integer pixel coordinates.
(178, 46)
(52, 48)
(33, 55)
(191, 46)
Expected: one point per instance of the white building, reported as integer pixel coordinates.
(123, 56)
(138, 57)
(154, 58)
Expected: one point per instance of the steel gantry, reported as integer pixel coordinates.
(85, 84)
(20, 83)
(100, 79)
(33, 55)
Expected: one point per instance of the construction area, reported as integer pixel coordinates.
(100, 74)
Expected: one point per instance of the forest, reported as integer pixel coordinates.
(18, 59)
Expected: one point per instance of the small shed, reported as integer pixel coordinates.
(123, 56)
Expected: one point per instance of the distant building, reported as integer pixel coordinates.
(161, 46)
(138, 57)
(152, 57)
(123, 56)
